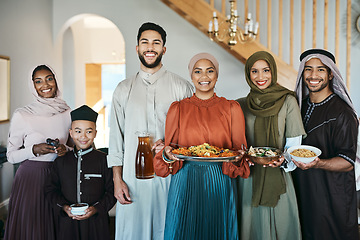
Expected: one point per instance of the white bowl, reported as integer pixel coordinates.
(304, 159)
(78, 208)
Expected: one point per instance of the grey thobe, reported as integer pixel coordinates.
(140, 104)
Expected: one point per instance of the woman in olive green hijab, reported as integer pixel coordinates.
(267, 201)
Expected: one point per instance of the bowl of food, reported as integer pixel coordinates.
(304, 153)
(263, 155)
(78, 208)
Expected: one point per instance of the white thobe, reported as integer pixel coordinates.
(140, 104)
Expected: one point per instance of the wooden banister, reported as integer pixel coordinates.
(199, 13)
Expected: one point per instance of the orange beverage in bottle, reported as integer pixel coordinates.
(144, 168)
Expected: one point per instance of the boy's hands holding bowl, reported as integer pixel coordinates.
(90, 211)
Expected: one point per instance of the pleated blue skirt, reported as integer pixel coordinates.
(201, 204)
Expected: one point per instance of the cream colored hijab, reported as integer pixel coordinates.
(200, 56)
(45, 106)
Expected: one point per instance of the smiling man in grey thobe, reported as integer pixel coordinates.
(140, 104)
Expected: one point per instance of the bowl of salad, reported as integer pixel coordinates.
(263, 155)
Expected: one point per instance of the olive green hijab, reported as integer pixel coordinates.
(265, 104)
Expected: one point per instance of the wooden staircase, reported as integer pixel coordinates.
(199, 13)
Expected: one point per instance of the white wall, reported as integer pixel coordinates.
(25, 36)
(355, 79)
(92, 44)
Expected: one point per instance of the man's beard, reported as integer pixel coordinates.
(153, 65)
(322, 86)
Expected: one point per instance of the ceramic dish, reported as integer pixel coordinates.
(78, 208)
(304, 159)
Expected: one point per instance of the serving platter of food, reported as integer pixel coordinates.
(205, 152)
(263, 155)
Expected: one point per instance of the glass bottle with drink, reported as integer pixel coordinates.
(144, 168)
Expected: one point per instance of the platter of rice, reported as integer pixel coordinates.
(205, 152)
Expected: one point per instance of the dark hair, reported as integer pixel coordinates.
(151, 26)
(41, 67)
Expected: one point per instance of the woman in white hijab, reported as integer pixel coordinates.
(30, 215)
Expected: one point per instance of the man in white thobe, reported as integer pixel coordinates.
(140, 104)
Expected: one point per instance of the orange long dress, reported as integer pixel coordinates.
(198, 187)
